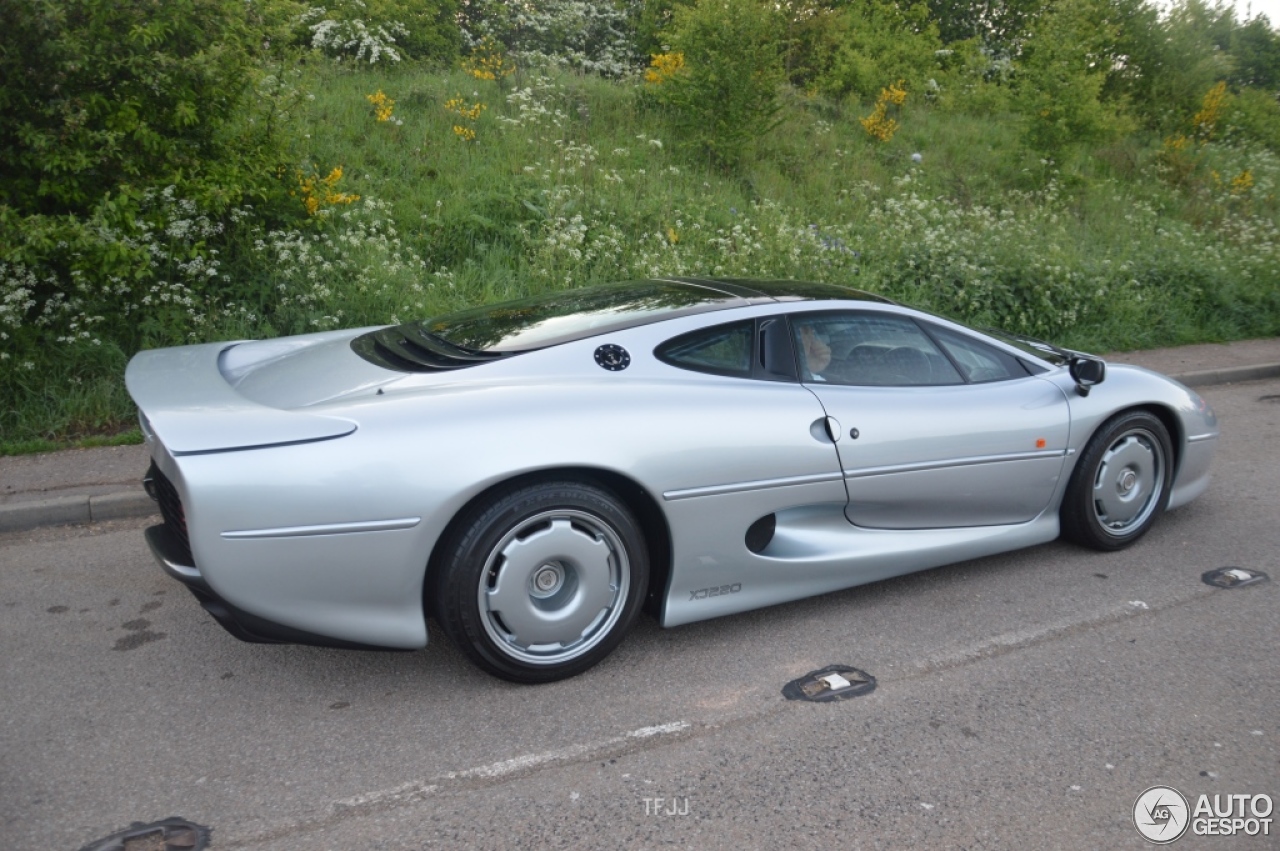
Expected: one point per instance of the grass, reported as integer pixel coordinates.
(128, 437)
(574, 180)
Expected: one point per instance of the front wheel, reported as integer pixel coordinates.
(1121, 483)
(543, 581)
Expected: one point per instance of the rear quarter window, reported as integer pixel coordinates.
(722, 350)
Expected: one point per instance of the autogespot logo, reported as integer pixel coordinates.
(1161, 814)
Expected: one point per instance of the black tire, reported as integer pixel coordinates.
(1121, 483)
(542, 581)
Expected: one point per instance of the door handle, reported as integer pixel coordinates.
(825, 429)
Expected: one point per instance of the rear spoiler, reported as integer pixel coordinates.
(187, 404)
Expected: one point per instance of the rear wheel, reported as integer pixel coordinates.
(1121, 483)
(543, 581)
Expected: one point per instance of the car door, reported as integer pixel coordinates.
(934, 428)
(774, 435)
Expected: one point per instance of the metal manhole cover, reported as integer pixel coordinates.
(172, 834)
(1233, 577)
(834, 682)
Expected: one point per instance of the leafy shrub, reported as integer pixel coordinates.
(431, 28)
(345, 30)
(1255, 114)
(867, 45)
(100, 92)
(1000, 26)
(1170, 61)
(130, 134)
(386, 31)
(726, 94)
(973, 79)
(595, 36)
(1063, 70)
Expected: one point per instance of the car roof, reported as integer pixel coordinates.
(756, 291)
(480, 334)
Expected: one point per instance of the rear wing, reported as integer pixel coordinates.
(187, 405)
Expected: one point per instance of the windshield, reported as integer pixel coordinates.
(1032, 346)
(571, 315)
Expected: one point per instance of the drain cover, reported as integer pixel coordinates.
(834, 682)
(172, 834)
(1233, 577)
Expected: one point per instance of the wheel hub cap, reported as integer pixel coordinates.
(1129, 482)
(554, 586)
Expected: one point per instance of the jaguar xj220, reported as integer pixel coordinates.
(528, 475)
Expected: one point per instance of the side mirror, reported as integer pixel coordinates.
(1086, 372)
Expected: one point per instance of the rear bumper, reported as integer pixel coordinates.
(171, 553)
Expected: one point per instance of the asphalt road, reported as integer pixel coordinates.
(1023, 702)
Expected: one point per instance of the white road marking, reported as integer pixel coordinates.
(646, 732)
(954, 656)
(399, 795)
(418, 789)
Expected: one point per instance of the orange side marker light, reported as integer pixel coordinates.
(1041, 443)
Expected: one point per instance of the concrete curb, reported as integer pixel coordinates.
(1229, 375)
(67, 510)
(134, 502)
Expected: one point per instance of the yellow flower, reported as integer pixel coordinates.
(382, 105)
(672, 236)
(1242, 182)
(319, 192)
(1205, 122)
(458, 105)
(663, 67)
(878, 124)
(487, 61)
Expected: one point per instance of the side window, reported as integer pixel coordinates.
(870, 349)
(978, 361)
(721, 350)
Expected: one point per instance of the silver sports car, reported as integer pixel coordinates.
(530, 474)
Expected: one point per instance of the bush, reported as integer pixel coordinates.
(101, 92)
(1255, 114)
(595, 36)
(974, 80)
(870, 45)
(130, 133)
(726, 95)
(373, 31)
(1063, 70)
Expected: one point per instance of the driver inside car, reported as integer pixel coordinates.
(817, 354)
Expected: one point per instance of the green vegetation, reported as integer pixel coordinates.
(236, 186)
(725, 96)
